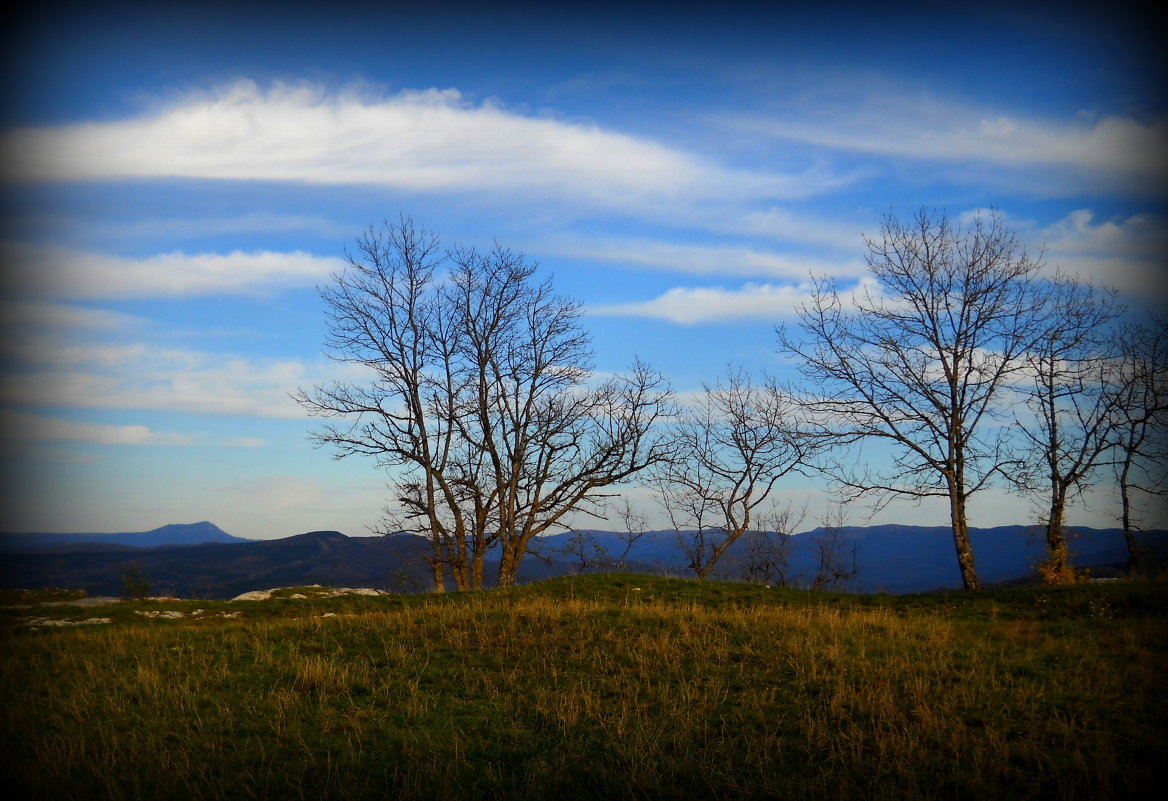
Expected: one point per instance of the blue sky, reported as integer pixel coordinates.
(178, 181)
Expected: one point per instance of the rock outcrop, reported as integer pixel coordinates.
(316, 591)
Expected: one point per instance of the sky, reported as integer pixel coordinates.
(178, 181)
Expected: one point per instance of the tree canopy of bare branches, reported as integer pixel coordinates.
(1141, 430)
(728, 451)
(475, 393)
(1070, 396)
(917, 361)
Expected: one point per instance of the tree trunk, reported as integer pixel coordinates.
(961, 541)
(1057, 567)
(461, 579)
(438, 561)
(439, 574)
(1129, 535)
(508, 566)
(476, 569)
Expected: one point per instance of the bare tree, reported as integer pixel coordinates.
(475, 395)
(1071, 400)
(634, 525)
(918, 360)
(766, 557)
(836, 559)
(1141, 430)
(586, 551)
(729, 449)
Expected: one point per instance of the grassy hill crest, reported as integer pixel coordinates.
(594, 687)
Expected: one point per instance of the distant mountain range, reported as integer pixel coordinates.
(892, 558)
(218, 569)
(200, 560)
(173, 534)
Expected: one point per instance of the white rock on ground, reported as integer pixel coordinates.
(254, 595)
(38, 622)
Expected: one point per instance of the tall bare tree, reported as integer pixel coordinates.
(1071, 400)
(918, 360)
(475, 394)
(731, 447)
(1141, 431)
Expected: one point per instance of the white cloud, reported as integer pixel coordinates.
(752, 301)
(690, 305)
(432, 140)
(141, 376)
(1140, 236)
(63, 273)
(1129, 254)
(16, 425)
(62, 316)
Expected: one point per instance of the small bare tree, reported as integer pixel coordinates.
(766, 557)
(1071, 400)
(1141, 429)
(735, 442)
(836, 559)
(476, 395)
(634, 525)
(586, 552)
(918, 361)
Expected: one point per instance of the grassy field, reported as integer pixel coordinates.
(602, 686)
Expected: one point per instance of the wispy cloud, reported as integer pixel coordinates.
(783, 225)
(898, 123)
(431, 140)
(63, 273)
(701, 259)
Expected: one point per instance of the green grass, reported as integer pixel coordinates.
(595, 687)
